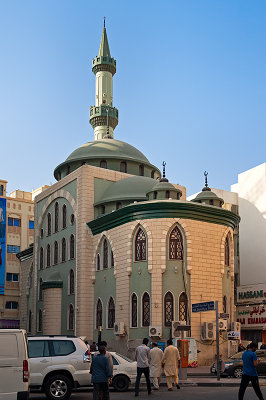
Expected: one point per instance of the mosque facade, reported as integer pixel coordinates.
(118, 250)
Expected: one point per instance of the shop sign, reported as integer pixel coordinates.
(251, 316)
(251, 293)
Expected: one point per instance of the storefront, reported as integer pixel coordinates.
(251, 312)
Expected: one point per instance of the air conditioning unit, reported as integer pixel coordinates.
(236, 326)
(175, 328)
(207, 331)
(155, 331)
(222, 324)
(119, 328)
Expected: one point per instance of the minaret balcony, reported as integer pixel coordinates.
(98, 116)
(104, 64)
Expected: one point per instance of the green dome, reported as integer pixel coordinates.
(133, 188)
(164, 186)
(207, 195)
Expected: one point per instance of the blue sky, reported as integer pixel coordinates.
(190, 84)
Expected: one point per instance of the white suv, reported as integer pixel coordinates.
(58, 364)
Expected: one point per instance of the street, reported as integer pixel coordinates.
(189, 393)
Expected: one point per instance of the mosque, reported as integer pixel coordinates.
(119, 251)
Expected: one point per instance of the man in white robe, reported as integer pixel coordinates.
(156, 365)
(170, 361)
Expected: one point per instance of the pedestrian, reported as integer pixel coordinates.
(241, 347)
(108, 355)
(93, 347)
(143, 358)
(101, 373)
(170, 361)
(250, 362)
(87, 344)
(156, 365)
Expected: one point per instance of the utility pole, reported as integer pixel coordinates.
(217, 343)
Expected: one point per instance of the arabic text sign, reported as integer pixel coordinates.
(233, 335)
(201, 307)
(251, 316)
(251, 293)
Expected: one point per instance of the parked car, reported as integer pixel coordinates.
(125, 371)
(234, 365)
(58, 364)
(14, 366)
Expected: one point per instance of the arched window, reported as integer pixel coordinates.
(56, 217)
(71, 289)
(183, 307)
(175, 245)
(141, 170)
(98, 263)
(103, 164)
(112, 259)
(227, 251)
(99, 314)
(123, 166)
(105, 254)
(49, 225)
(168, 309)
(111, 313)
(145, 309)
(72, 219)
(39, 321)
(134, 310)
(155, 194)
(167, 194)
(41, 258)
(68, 169)
(40, 293)
(140, 246)
(72, 247)
(55, 253)
(29, 321)
(118, 205)
(102, 209)
(63, 254)
(152, 173)
(48, 255)
(64, 216)
(71, 317)
(224, 304)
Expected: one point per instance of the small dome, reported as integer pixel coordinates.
(207, 196)
(164, 190)
(164, 186)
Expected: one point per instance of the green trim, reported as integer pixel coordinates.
(51, 284)
(164, 209)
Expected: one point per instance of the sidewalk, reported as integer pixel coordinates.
(211, 381)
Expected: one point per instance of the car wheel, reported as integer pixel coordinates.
(238, 371)
(120, 383)
(58, 387)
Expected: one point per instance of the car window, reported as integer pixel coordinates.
(125, 358)
(237, 356)
(115, 362)
(63, 347)
(38, 348)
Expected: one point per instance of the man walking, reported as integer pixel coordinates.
(170, 362)
(250, 362)
(143, 358)
(101, 373)
(156, 365)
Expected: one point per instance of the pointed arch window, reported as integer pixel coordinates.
(225, 304)
(146, 309)
(168, 309)
(167, 194)
(118, 205)
(64, 216)
(152, 173)
(56, 217)
(111, 313)
(55, 253)
(63, 249)
(71, 282)
(155, 194)
(29, 321)
(98, 263)
(99, 314)
(48, 255)
(176, 245)
(140, 246)
(227, 252)
(105, 254)
(41, 258)
(183, 307)
(103, 164)
(134, 311)
(40, 321)
(112, 259)
(71, 317)
(141, 170)
(49, 224)
(40, 292)
(123, 166)
(68, 169)
(72, 247)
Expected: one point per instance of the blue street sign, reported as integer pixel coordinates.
(201, 307)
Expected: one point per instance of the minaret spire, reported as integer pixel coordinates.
(103, 116)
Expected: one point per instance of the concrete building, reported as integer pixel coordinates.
(119, 250)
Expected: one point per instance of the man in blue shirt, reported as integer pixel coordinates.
(250, 362)
(101, 373)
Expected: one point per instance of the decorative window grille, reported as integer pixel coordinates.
(99, 314)
(71, 317)
(55, 253)
(183, 307)
(64, 216)
(105, 254)
(227, 251)
(168, 309)
(123, 166)
(134, 310)
(40, 321)
(72, 247)
(49, 224)
(63, 258)
(176, 245)
(98, 263)
(111, 313)
(41, 258)
(145, 309)
(71, 282)
(48, 256)
(140, 246)
(56, 217)
(112, 259)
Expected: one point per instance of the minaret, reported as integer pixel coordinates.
(103, 116)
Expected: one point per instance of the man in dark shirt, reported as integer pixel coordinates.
(250, 362)
(101, 373)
